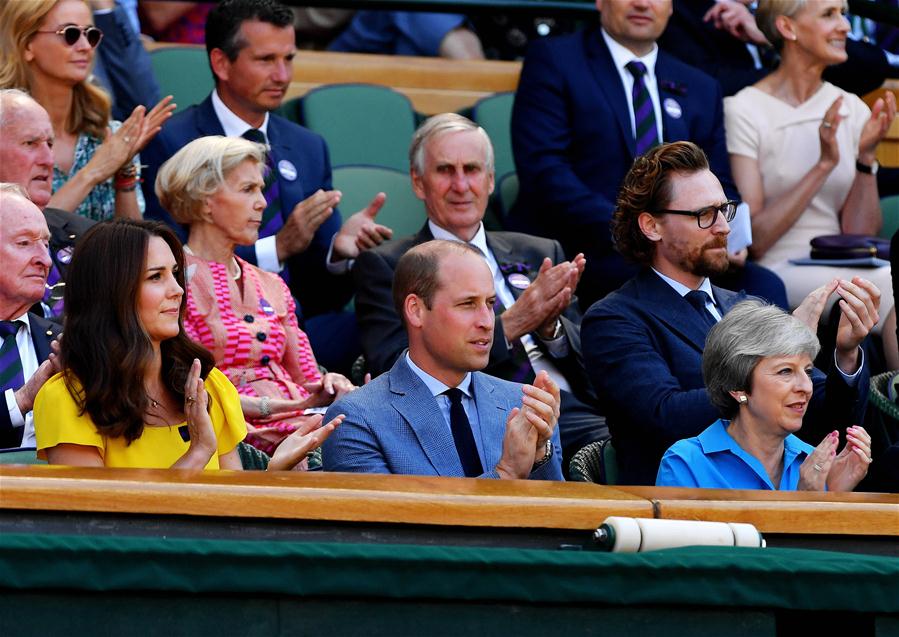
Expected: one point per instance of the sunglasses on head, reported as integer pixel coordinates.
(71, 34)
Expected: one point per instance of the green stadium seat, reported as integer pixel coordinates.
(890, 208)
(184, 73)
(596, 462)
(494, 115)
(403, 211)
(362, 123)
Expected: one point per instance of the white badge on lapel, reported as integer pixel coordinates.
(287, 170)
(672, 107)
(519, 281)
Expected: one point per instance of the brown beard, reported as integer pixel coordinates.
(701, 263)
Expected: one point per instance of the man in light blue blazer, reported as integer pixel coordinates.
(433, 413)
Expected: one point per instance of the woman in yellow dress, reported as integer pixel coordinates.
(135, 391)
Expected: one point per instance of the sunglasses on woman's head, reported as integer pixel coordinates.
(71, 34)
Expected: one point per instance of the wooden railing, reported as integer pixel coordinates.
(412, 500)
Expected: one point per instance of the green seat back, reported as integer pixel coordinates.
(596, 462)
(508, 192)
(26, 455)
(183, 72)
(362, 123)
(403, 211)
(890, 208)
(494, 115)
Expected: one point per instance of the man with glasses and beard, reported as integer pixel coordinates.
(643, 344)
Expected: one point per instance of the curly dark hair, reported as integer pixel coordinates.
(647, 187)
(106, 350)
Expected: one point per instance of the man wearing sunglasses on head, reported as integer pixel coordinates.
(643, 343)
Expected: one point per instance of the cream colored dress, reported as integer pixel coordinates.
(784, 141)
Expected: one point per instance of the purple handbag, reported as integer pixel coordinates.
(849, 246)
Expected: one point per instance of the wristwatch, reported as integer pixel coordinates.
(866, 169)
(547, 456)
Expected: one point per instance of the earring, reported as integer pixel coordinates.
(742, 399)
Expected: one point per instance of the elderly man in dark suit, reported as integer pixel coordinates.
(251, 48)
(26, 359)
(537, 321)
(587, 104)
(643, 343)
(434, 412)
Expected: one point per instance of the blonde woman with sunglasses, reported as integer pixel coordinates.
(48, 49)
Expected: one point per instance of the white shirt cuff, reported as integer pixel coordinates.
(267, 255)
(851, 379)
(557, 347)
(16, 418)
(341, 266)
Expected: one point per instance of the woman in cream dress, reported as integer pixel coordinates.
(803, 152)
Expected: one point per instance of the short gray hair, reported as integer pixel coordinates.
(440, 125)
(767, 13)
(751, 331)
(10, 103)
(198, 170)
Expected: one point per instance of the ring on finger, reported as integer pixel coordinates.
(127, 140)
(191, 400)
(817, 467)
(826, 124)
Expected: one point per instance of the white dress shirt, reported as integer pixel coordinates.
(621, 57)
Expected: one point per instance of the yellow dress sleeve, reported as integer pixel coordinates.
(226, 415)
(56, 420)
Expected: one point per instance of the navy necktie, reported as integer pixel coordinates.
(11, 374)
(698, 299)
(462, 436)
(646, 134)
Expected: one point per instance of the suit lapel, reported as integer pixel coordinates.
(609, 83)
(656, 296)
(42, 332)
(672, 93)
(491, 417)
(206, 120)
(420, 410)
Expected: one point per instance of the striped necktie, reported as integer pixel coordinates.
(271, 217)
(53, 294)
(646, 134)
(11, 374)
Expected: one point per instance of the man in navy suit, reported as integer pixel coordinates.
(251, 49)
(433, 413)
(26, 360)
(643, 344)
(539, 327)
(574, 133)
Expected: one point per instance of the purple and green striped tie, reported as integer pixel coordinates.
(271, 218)
(646, 134)
(11, 374)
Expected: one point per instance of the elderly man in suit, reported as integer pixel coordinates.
(251, 46)
(26, 356)
(26, 159)
(537, 320)
(587, 104)
(643, 343)
(434, 413)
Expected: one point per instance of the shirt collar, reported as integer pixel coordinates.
(233, 125)
(479, 240)
(680, 288)
(435, 386)
(621, 55)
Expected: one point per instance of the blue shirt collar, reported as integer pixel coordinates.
(435, 386)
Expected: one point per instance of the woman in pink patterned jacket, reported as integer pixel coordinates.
(243, 315)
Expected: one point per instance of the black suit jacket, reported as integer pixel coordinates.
(643, 348)
(42, 333)
(382, 332)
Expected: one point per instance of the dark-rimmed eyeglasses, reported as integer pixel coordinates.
(706, 217)
(71, 34)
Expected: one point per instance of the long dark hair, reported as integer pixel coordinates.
(105, 349)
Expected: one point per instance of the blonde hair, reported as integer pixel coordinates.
(19, 21)
(198, 170)
(769, 10)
